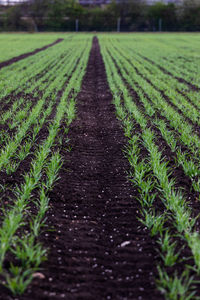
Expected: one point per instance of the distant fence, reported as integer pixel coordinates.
(38, 24)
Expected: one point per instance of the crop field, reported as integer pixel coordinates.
(13, 45)
(100, 166)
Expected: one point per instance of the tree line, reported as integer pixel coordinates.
(130, 15)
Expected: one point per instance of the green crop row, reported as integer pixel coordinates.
(144, 106)
(50, 106)
(16, 44)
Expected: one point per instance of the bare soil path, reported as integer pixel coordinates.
(99, 249)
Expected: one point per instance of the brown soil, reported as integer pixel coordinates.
(25, 55)
(98, 248)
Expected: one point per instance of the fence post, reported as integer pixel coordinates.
(76, 25)
(160, 24)
(118, 24)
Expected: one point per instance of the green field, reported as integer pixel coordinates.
(155, 86)
(15, 44)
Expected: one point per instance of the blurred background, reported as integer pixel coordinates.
(100, 15)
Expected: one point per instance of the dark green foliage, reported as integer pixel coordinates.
(135, 15)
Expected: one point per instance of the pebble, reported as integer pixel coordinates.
(38, 275)
(124, 244)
